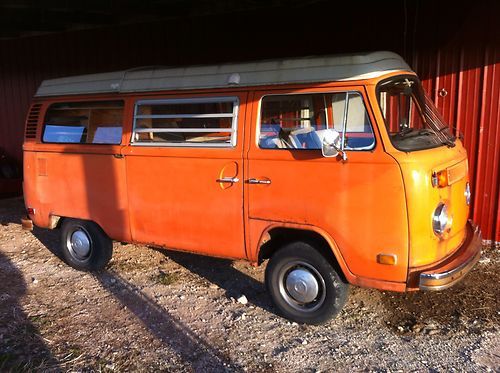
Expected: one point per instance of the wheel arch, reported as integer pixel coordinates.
(56, 222)
(276, 236)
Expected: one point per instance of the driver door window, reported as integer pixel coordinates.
(299, 121)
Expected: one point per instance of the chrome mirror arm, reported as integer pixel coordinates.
(343, 155)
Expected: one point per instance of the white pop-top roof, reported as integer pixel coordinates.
(294, 70)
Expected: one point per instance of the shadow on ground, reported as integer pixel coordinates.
(222, 273)
(472, 305)
(22, 348)
(192, 350)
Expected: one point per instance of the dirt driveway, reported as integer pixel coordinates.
(159, 310)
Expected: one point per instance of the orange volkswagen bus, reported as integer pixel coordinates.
(337, 169)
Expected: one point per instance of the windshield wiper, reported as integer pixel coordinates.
(447, 141)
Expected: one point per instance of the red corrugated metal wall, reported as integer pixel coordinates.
(462, 75)
(465, 86)
(487, 177)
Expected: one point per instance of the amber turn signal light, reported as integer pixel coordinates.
(440, 179)
(389, 259)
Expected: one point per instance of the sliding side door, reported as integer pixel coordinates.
(184, 173)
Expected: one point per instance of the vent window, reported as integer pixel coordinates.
(32, 121)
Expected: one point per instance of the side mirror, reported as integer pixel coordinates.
(331, 143)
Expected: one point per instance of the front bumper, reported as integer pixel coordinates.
(451, 270)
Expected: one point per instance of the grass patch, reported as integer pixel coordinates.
(4, 359)
(19, 364)
(40, 321)
(74, 351)
(129, 266)
(165, 278)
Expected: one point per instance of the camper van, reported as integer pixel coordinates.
(333, 170)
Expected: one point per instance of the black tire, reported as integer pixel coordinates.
(84, 245)
(301, 264)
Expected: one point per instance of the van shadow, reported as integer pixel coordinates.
(170, 331)
(50, 239)
(21, 345)
(193, 350)
(221, 273)
(471, 306)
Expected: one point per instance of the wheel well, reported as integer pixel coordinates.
(282, 236)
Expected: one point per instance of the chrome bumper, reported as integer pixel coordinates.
(453, 269)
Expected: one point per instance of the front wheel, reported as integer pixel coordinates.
(304, 285)
(84, 245)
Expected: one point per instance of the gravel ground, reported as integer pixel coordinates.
(154, 309)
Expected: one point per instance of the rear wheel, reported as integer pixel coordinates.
(304, 286)
(84, 245)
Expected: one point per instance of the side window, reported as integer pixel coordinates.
(358, 130)
(97, 122)
(292, 121)
(299, 121)
(207, 122)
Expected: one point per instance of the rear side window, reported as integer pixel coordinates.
(99, 122)
(204, 122)
(299, 121)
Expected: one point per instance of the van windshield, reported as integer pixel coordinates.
(411, 119)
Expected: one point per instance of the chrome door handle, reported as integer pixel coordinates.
(228, 180)
(258, 181)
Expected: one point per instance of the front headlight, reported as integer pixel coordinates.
(440, 219)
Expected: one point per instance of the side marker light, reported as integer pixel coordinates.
(388, 259)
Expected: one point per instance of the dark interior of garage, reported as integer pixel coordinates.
(453, 46)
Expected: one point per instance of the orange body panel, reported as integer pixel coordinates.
(65, 182)
(175, 199)
(379, 201)
(422, 199)
(360, 202)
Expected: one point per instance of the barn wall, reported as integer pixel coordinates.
(465, 86)
(458, 60)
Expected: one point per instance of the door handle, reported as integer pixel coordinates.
(119, 156)
(258, 181)
(228, 180)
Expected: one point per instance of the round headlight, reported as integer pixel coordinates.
(440, 219)
(467, 193)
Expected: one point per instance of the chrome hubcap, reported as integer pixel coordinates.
(79, 244)
(302, 285)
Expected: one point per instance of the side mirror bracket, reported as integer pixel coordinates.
(331, 144)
